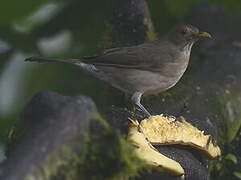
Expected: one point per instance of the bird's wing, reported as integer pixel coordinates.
(147, 56)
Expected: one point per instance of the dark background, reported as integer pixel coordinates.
(63, 28)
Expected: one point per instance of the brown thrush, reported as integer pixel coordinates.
(148, 68)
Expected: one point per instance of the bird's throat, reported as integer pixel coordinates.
(187, 48)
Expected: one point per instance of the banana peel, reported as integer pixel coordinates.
(164, 130)
(144, 150)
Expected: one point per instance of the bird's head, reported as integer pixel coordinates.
(187, 34)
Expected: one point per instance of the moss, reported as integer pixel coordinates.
(64, 163)
(177, 94)
(151, 34)
(235, 124)
(102, 155)
(217, 105)
(225, 167)
(228, 110)
(111, 158)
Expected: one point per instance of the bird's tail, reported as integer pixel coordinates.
(89, 68)
(83, 66)
(46, 59)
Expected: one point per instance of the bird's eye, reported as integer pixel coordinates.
(184, 31)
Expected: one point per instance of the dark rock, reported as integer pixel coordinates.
(49, 120)
(131, 21)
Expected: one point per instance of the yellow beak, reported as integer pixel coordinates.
(204, 34)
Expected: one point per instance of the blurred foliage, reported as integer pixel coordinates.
(64, 28)
(14, 10)
(227, 167)
(84, 24)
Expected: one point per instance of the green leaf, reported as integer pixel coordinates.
(232, 158)
(12, 10)
(237, 174)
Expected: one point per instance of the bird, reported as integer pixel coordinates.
(148, 68)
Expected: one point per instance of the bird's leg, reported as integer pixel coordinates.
(136, 99)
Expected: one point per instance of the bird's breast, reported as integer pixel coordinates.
(174, 71)
(177, 67)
